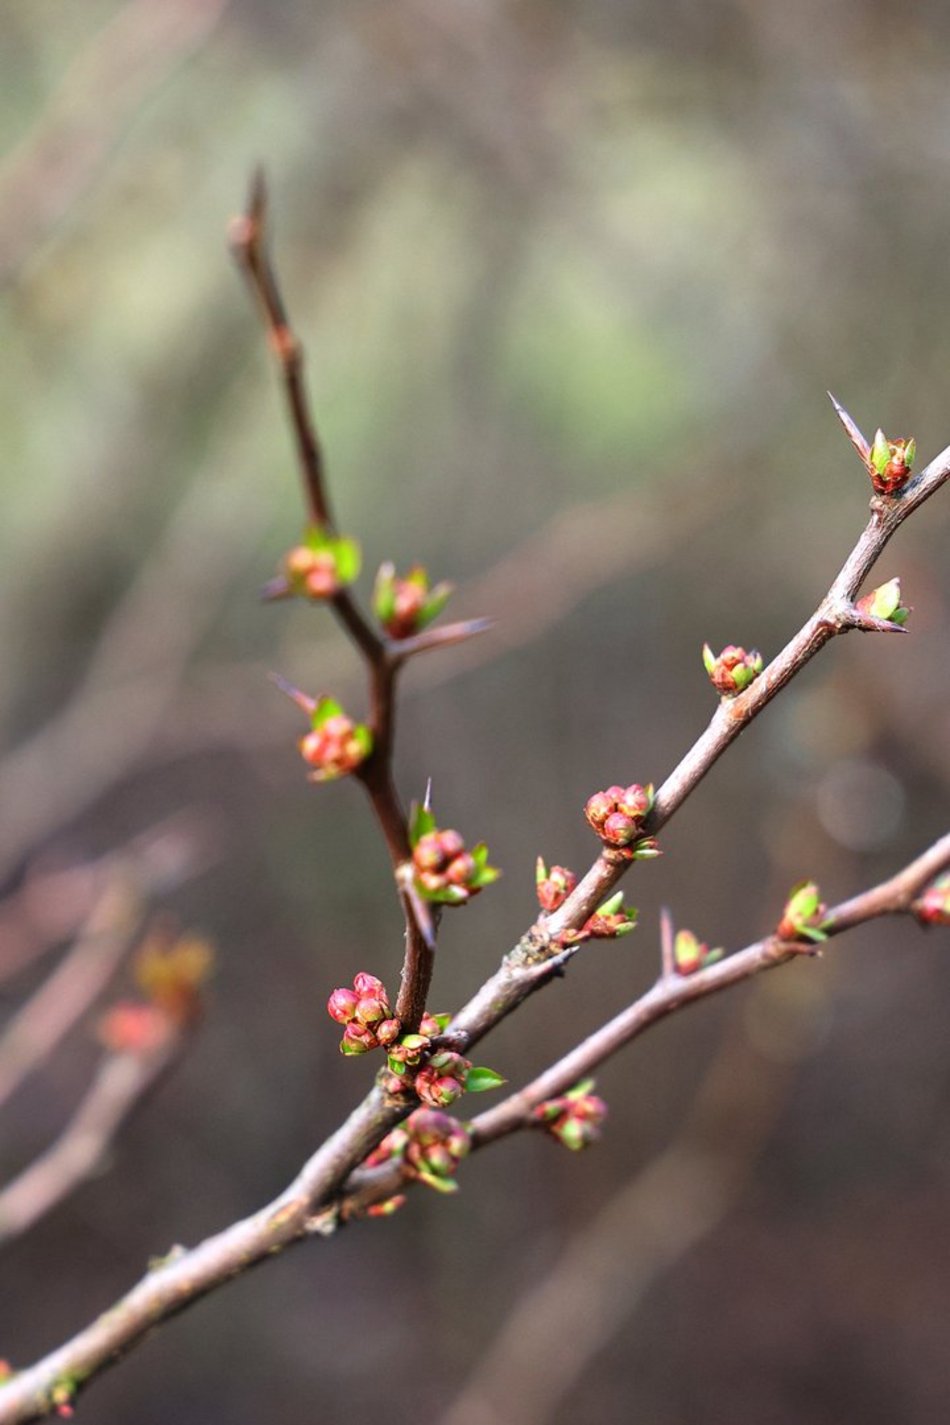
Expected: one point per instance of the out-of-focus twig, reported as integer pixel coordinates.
(120, 1084)
(307, 1206)
(35, 1030)
(383, 657)
(650, 1224)
(62, 154)
(52, 902)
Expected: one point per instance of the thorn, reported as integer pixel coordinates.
(296, 696)
(427, 800)
(276, 588)
(853, 432)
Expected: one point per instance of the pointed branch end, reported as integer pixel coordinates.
(852, 430)
(302, 700)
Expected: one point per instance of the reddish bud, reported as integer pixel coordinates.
(804, 915)
(387, 1207)
(885, 603)
(618, 813)
(428, 854)
(933, 907)
(691, 954)
(554, 886)
(366, 984)
(619, 829)
(460, 871)
(889, 463)
(598, 808)
(341, 1005)
(733, 670)
(130, 1028)
(575, 1117)
(388, 1032)
(357, 1039)
(445, 870)
(405, 606)
(436, 1089)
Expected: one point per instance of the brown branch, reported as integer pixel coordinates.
(67, 993)
(643, 1230)
(51, 904)
(120, 1084)
(307, 1207)
(382, 657)
(835, 614)
(892, 897)
(108, 81)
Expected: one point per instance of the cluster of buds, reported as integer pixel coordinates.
(170, 971)
(574, 1117)
(407, 605)
(733, 670)
(889, 463)
(321, 566)
(933, 907)
(366, 1014)
(554, 885)
(617, 816)
(430, 1145)
(335, 743)
(691, 954)
(442, 1079)
(444, 870)
(884, 602)
(804, 916)
(438, 1079)
(610, 921)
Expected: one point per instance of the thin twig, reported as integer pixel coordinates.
(891, 897)
(120, 1084)
(644, 1229)
(383, 657)
(308, 1208)
(62, 999)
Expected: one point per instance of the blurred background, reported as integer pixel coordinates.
(573, 281)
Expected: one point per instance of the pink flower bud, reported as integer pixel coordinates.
(460, 870)
(371, 1010)
(933, 907)
(357, 1039)
(554, 886)
(388, 1032)
(598, 808)
(365, 984)
(429, 854)
(341, 1006)
(635, 800)
(619, 829)
(436, 1089)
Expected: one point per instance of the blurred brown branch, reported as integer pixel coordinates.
(331, 1186)
(641, 1233)
(63, 153)
(65, 996)
(120, 1084)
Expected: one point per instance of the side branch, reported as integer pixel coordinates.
(835, 614)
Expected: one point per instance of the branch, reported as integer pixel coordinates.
(837, 613)
(643, 1230)
(306, 1207)
(383, 657)
(120, 1084)
(892, 897)
(64, 997)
